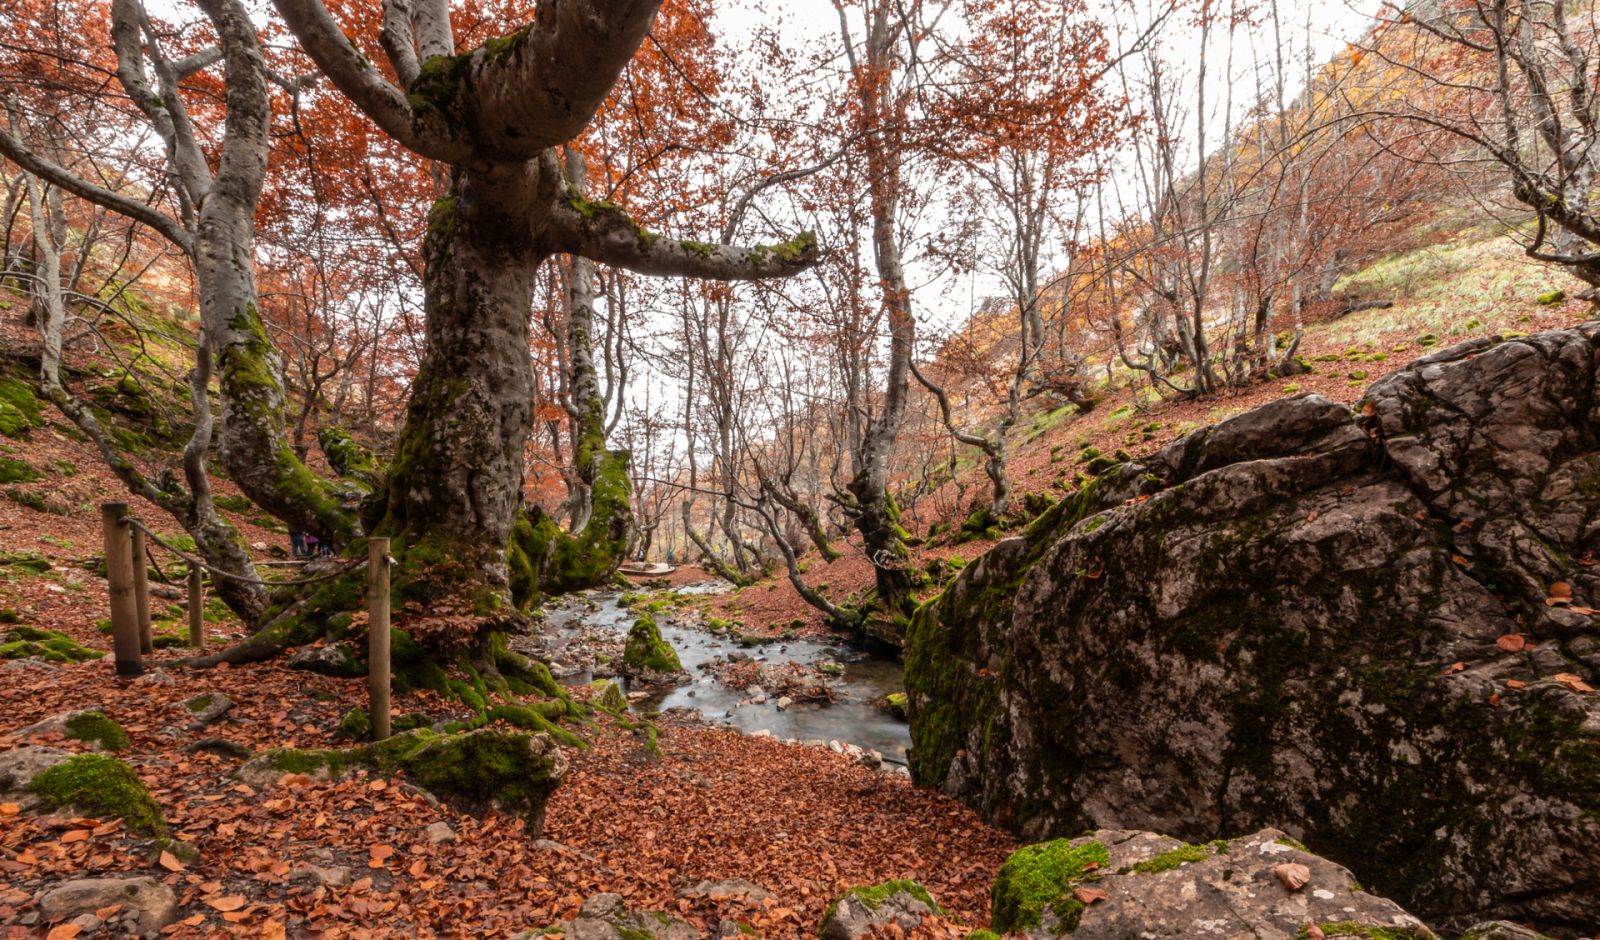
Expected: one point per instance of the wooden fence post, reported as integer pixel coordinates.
(119, 581)
(141, 588)
(378, 635)
(197, 616)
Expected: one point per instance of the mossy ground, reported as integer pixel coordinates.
(103, 785)
(49, 645)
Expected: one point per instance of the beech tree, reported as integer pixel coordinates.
(495, 118)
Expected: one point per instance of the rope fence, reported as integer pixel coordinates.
(129, 561)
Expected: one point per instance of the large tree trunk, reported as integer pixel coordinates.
(456, 481)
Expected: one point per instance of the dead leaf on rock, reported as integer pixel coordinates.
(1512, 642)
(1313, 932)
(1293, 875)
(170, 862)
(1515, 684)
(1572, 682)
(1089, 895)
(231, 902)
(1560, 593)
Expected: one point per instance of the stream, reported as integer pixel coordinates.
(852, 718)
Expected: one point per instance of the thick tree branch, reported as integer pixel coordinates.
(539, 87)
(425, 130)
(606, 233)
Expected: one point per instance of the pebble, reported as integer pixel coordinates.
(784, 703)
(440, 832)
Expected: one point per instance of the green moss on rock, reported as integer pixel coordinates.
(647, 652)
(102, 785)
(21, 642)
(1039, 879)
(479, 768)
(1167, 861)
(356, 725)
(96, 727)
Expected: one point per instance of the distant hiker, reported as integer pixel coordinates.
(313, 545)
(297, 545)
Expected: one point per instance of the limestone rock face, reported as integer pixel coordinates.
(1373, 629)
(1153, 886)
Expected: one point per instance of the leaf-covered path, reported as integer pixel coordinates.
(354, 858)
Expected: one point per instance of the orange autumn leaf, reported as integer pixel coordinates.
(1512, 642)
(231, 902)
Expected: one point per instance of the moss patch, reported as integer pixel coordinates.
(873, 896)
(53, 647)
(478, 768)
(646, 651)
(16, 471)
(96, 728)
(1040, 878)
(1167, 861)
(103, 785)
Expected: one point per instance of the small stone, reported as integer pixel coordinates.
(156, 677)
(735, 889)
(88, 923)
(440, 832)
(334, 876)
(871, 760)
(206, 708)
(784, 703)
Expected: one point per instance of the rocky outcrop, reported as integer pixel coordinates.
(1371, 628)
(1112, 884)
(864, 911)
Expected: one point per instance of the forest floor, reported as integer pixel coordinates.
(352, 857)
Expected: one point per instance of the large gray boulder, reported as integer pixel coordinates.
(1372, 629)
(1113, 884)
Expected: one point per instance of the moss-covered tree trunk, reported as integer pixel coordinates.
(456, 481)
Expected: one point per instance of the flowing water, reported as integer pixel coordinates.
(853, 718)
